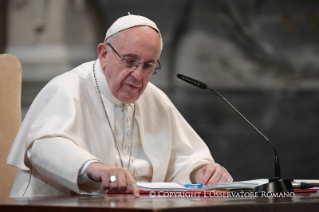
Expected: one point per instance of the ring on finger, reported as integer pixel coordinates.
(113, 179)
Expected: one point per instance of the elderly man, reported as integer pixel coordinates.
(103, 126)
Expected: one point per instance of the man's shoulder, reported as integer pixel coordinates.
(80, 72)
(153, 91)
(72, 81)
(153, 94)
(72, 78)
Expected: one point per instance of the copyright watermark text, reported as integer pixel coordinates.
(241, 194)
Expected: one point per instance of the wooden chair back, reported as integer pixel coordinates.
(10, 116)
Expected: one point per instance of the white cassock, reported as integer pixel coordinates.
(66, 126)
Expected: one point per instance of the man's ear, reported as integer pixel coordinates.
(102, 51)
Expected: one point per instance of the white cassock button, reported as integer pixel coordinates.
(128, 120)
(139, 171)
(128, 134)
(127, 148)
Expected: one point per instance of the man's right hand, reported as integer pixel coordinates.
(102, 173)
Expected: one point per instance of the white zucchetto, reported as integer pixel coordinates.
(129, 21)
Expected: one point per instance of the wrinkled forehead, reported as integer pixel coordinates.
(137, 40)
(144, 34)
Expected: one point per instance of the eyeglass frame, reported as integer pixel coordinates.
(123, 58)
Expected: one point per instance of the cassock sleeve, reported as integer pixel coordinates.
(188, 149)
(57, 161)
(173, 147)
(58, 147)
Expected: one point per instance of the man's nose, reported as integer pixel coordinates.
(138, 72)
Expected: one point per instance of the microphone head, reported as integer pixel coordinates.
(192, 81)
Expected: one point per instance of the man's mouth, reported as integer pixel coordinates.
(134, 87)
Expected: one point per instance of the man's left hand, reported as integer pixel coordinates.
(212, 173)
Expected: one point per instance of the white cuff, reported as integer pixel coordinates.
(82, 175)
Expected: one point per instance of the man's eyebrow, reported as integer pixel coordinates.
(134, 56)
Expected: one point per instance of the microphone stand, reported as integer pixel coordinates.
(276, 184)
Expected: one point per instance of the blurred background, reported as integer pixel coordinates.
(261, 55)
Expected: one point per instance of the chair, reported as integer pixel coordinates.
(10, 116)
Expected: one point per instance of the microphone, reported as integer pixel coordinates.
(276, 184)
(192, 81)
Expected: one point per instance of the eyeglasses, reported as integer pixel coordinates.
(131, 64)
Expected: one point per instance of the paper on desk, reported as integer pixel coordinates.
(161, 186)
